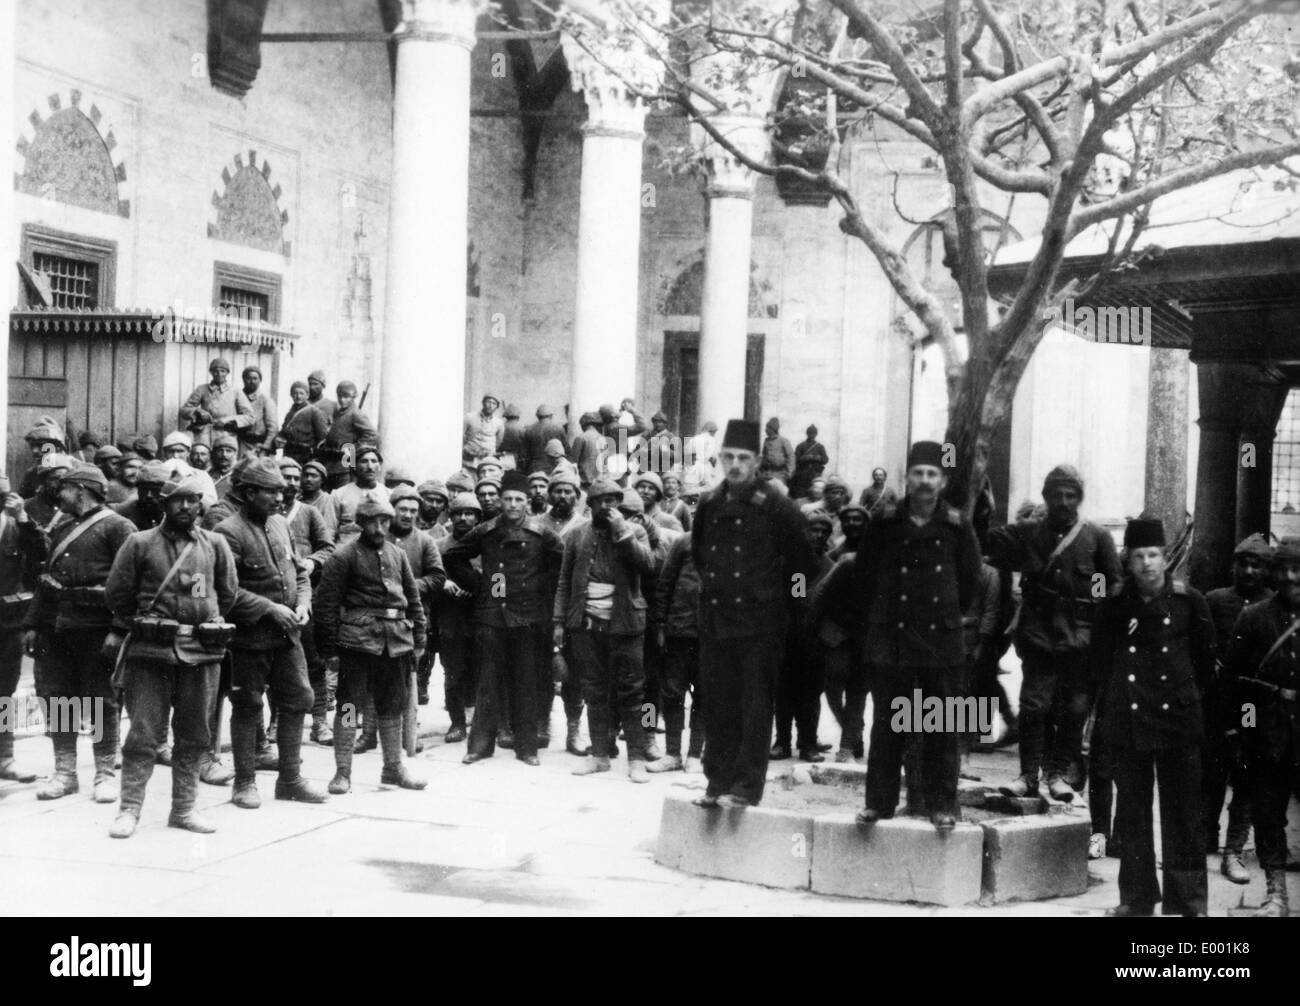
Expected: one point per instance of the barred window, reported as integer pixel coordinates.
(66, 272)
(253, 295)
(1286, 457)
(74, 283)
(249, 305)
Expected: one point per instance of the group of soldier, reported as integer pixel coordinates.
(256, 561)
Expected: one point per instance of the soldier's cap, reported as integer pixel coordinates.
(811, 431)
(465, 501)
(1064, 475)
(564, 478)
(554, 449)
(650, 478)
(589, 419)
(432, 487)
(83, 474)
(490, 461)
(346, 388)
(88, 438)
(45, 431)
(491, 480)
(317, 375)
(395, 476)
(153, 473)
(604, 486)
(607, 413)
(565, 465)
(315, 466)
(1287, 551)
(512, 412)
(373, 506)
(220, 361)
(513, 481)
(287, 463)
(55, 462)
(177, 438)
(544, 411)
(489, 398)
(820, 517)
(146, 444)
(261, 473)
(712, 427)
(107, 453)
(299, 384)
(632, 502)
(1254, 544)
(1145, 531)
(224, 439)
(674, 473)
(539, 476)
(836, 482)
(925, 452)
(403, 492)
(774, 425)
(128, 456)
(369, 447)
(742, 435)
(183, 483)
(853, 508)
(252, 368)
(460, 482)
(659, 417)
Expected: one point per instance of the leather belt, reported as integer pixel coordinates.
(390, 614)
(597, 625)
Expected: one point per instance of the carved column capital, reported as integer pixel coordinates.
(440, 21)
(612, 84)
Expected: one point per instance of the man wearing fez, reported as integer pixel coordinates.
(751, 552)
(170, 588)
(521, 559)
(369, 615)
(915, 575)
(1067, 567)
(1152, 657)
(1250, 585)
(1261, 681)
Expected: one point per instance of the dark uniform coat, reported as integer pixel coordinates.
(268, 575)
(368, 602)
(521, 566)
(1276, 729)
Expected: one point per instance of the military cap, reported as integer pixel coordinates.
(262, 473)
(821, 517)
(129, 456)
(544, 411)
(315, 466)
(287, 462)
(83, 474)
(554, 449)
(183, 483)
(604, 486)
(742, 435)
(55, 462)
(836, 482)
(465, 501)
(177, 438)
(107, 453)
(373, 506)
(674, 473)
(432, 487)
(853, 507)
(46, 430)
(146, 444)
(658, 417)
(299, 384)
(774, 425)
(811, 431)
(153, 473)
(1146, 531)
(1063, 475)
(607, 413)
(652, 479)
(317, 375)
(539, 476)
(632, 501)
(564, 478)
(224, 439)
(403, 492)
(1256, 545)
(490, 480)
(589, 419)
(252, 368)
(512, 412)
(367, 448)
(513, 481)
(489, 460)
(220, 361)
(460, 482)
(395, 475)
(346, 388)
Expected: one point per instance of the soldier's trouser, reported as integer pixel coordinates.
(282, 671)
(799, 689)
(737, 676)
(682, 678)
(424, 671)
(11, 666)
(1182, 842)
(545, 688)
(74, 681)
(507, 667)
(214, 718)
(571, 690)
(938, 753)
(316, 675)
(1217, 770)
(1054, 707)
(1272, 784)
(610, 664)
(458, 677)
(652, 666)
(847, 687)
(383, 677)
(1101, 782)
(154, 692)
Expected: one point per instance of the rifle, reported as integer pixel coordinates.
(361, 404)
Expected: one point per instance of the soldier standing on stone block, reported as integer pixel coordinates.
(1152, 657)
(369, 615)
(1261, 689)
(1067, 567)
(170, 588)
(750, 549)
(915, 574)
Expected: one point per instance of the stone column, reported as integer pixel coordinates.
(1210, 562)
(609, 224)
(1261, 408)
(422, 382)
(724, 312)
(1166, 456)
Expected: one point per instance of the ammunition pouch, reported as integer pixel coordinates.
(325, 453)
(214, 635)
(151, 629)
(50, 584)
(14, 606)
(85, 597)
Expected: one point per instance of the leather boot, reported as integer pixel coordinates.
(320, 730)
(1234, 869)
(243, 745)
(369, 739)
(1022, 787)
(213, 771)
(185, 784)
(136, 773)
(10, 771)
(390, 739)
(345, 738)
(64, 780)
(1275, 904)
(571, 742)
(291, 785)
(106, 788)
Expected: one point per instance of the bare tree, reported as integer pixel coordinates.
(1095, 107)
